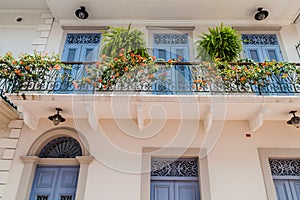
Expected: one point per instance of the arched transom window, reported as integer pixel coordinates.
(62, 147)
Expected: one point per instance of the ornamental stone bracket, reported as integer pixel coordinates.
(140, 116)
(31, 121)
(257, 121)
(207, 122)
(92, 118)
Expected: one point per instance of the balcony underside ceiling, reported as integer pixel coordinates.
(190, 11)
(223, 107)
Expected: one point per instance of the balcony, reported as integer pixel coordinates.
(177, 78)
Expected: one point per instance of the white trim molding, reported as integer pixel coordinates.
(276, 153)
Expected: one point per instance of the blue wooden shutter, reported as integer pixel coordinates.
(54, 182)
(262, 47)
(79, 47)
(186, 191)
(162, 190)
(283, 190)
(172, 46)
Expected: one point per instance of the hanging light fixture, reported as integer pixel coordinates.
(57, 118)
(261, 14)
(81, 13)
(295, 120)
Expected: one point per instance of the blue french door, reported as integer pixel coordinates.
(54, 183)
(174, 190)
(287, 189)
(178, 79)
(262, 47)
(79, 47)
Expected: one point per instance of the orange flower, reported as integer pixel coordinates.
(121, 55)
(116, 59)
(27, 68)
(14, 62)
(126, 69)
(100, 80)
(169, 61)
(153, 57)
(242, 79)
(88, 80)
(18, 72)
(104, 56)
(57, 67)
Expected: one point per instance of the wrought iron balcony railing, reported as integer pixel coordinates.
(180, 78)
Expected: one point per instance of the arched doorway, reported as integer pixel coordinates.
(59, 157)
(53, 182)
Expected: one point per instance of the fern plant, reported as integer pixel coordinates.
(128, 40)
(222, 43)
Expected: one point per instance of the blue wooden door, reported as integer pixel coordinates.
(178, 79)
(79, 47)
(174, 190)
(262, 47)
(54, 183)
(287, 189)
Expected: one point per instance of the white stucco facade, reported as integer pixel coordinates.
(232, 136)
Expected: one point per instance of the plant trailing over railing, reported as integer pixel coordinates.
(248, 75)
(125, 70)
(28, 68)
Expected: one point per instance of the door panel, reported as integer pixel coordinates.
(179, 77)
(272, 53)
(52, 183)
(187, 191)
(254, 53)
(283, 190)
(295, 188)
(174, 190)
(162, 190)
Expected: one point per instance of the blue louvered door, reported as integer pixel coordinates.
(262, 47)
(287, 189)
(54, 183)
(176, 47)
(79, 47)
(175, 190)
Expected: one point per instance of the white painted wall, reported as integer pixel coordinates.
(233, 164)
(290, 37)
(17, 40)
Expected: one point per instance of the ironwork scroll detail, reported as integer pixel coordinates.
(285, 167)
(259, 39)
(66, 197)
(86, 38)
(177, 168)
(42, 197)
(170, 39)
(63, 147)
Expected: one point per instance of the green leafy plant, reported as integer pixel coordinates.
(222, 42)
(128, 39)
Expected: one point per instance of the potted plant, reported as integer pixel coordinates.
(125, 62)
(128, 40)
(222, 43)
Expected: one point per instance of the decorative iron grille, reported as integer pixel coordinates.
(170, 39)
(177, 168)
(86, 38)
(285, 167)
(63, 147)
(259, 39)
(298, 48)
